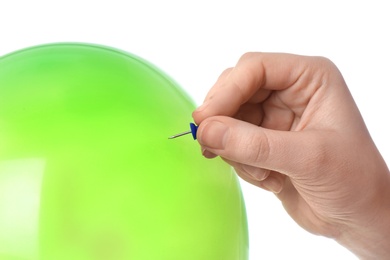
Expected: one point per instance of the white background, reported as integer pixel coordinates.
(194, 41)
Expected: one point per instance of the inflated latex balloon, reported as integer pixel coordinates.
(87, 170)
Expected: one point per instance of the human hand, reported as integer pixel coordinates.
(288, 124)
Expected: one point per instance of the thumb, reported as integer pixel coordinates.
(282, 151)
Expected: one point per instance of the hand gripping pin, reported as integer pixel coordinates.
(193, 128)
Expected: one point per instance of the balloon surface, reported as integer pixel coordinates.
(87, 171)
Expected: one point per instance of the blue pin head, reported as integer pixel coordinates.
(194, 129)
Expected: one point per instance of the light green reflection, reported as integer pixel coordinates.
(20, 186)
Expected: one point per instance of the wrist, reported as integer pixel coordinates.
(368, 237)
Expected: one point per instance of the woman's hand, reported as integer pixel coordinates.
(288, 124)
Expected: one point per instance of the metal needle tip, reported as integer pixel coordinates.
(178, 135)
(194, 129)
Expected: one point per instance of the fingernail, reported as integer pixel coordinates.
(202, 107)
(213, 135)
(259, 176)
(272, 184)
(207, 154)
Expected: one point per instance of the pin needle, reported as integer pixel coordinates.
(178, 135)
(193, 130)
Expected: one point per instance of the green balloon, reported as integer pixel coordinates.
(87, 170)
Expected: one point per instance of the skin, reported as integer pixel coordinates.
(289, 124)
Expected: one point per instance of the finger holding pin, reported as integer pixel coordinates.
(194, 129)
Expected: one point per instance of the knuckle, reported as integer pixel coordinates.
(225, 73)
(249, 55)
(321, 155)
(259, 148)
(323, 63)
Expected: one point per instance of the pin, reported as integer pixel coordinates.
(193, 127)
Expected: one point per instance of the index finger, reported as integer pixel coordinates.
(253, 72)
